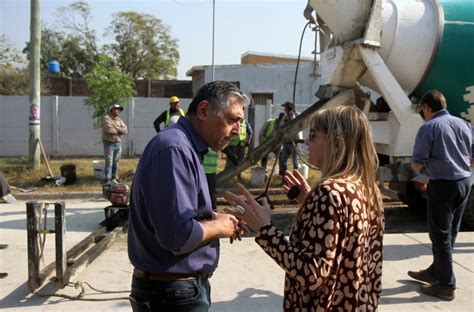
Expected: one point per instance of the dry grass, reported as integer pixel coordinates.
(18, 173)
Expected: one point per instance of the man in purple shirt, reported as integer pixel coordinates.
(173, 238)
(443, 147)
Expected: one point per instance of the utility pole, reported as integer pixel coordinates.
(35, 99)
(213, 35)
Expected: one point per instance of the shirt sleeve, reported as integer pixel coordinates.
(170, 191)
(123, 127)
(158, 121)
(261, 133)
(108, 125)
(311, 258)
(423, 144)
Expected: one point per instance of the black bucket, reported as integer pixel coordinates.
(69, 172)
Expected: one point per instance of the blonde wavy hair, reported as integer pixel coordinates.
(350, 152)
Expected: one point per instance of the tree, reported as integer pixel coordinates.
(75, 60)
(144, 47)
(9, 56)
(72, 42)
(109, 85)
(75, 18)
(14, 74)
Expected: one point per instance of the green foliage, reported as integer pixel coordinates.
(75, 19)
(74, 58)
(8, 54)
(144, 47)
(14, 81)
(109, 85)
(14, 74)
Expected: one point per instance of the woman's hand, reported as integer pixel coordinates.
(296, 179)
(251, 212)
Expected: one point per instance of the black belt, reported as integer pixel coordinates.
(169, 276)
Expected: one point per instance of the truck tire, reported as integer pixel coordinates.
(468, 216)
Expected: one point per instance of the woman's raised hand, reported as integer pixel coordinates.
(249, 210)
(296, 179)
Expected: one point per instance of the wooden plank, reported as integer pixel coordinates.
(60, 234)
(73, 253)
(45, 157)
(32, 213)
(90, 255)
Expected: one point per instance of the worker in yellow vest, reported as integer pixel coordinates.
(235, 151)
(266, 132)
(210, 168)
(169, 116)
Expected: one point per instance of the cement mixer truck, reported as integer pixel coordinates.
(399, 50)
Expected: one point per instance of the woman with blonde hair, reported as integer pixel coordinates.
(333, 257)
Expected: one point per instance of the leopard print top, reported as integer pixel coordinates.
(333, 258)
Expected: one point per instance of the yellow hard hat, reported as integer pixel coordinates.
(174, 99)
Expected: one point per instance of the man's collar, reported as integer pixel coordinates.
(439, 113)
(198, 143)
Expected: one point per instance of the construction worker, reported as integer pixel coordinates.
(289, 147)
(265, 132)
(169, 116)
(235, 152)
(210, 168)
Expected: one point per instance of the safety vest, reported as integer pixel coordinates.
(210, 161)
(242, 137)
(168, 116)
(270, 127)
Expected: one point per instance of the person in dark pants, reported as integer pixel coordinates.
(173, 236)
(265, 133)
(443, 147)
(5, 190)
(289, 147)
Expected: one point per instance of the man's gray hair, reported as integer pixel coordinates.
(217, 93)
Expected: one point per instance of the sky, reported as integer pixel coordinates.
(267, 26)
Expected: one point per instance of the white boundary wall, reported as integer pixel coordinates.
(67, 126)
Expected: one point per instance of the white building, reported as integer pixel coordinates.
(268, 80)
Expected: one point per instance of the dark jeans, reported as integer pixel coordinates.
(288, 149)
(446, 202)
(183, 295)
(265, 158)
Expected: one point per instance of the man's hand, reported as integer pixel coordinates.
(241, 229)
(417, 167)
(227, 224)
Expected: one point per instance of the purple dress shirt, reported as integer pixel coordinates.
(169, 195)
